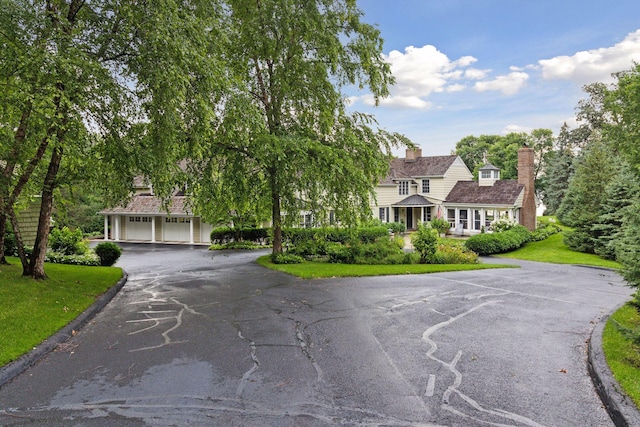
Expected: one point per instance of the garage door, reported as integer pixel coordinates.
(139, 228)
(177, 229)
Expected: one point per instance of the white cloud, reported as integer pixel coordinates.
(413, 102)
(508, 84)
(513, 128)
(596, 64)
(476, 74)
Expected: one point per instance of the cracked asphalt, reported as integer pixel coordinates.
(200, 338)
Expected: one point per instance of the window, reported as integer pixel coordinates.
(403, 188)
(451, 217)
(381, 214)
(426, 214)
(485, 174)
(139, 219)
(332, 217)
(425, 185)
(476, 219)
(396, 214)
(463, 218)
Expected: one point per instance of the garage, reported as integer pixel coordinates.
(205, 232)
(176, 229)
(139, 228)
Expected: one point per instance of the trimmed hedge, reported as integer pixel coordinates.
(497, 243)
(221, 235)
(298, 236)
(108, 252)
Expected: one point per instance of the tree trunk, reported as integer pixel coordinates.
(276, 215)
(36, 263)
(18, 235)
(3, 231)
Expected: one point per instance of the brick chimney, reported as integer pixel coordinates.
(526, 176)
(413, 154)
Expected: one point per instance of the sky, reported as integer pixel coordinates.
(490, 67)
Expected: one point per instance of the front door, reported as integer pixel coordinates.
(410, 218)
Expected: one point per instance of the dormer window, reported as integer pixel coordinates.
(486, 174)
(403, 188)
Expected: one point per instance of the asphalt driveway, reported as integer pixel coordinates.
(205, 338)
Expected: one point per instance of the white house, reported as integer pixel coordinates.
(418, 189)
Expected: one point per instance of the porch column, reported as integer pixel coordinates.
(116, 223)
(153, 229)
(191, 230)
(106, 227)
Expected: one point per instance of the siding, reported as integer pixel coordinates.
(28, 222)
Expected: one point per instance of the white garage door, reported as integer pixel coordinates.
(139, 228)
(177, 229)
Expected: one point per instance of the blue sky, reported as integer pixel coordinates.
(473, 67)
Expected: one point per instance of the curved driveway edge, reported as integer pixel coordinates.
(621, 409)
(15, 368)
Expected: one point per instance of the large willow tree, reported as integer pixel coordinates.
(283, 141)
(99, 89)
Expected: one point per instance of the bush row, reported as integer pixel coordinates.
(298, 236)
(105, 254)
(220, 235)
(497, 243)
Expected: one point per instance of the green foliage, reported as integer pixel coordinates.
(67, 242)
(453, 254)
(87, 259)
(545, 229)
(235, 245)
(396, 227)
(227, 234)
(9, 243)
(286, 258)
(425, 241)
(628, 247)
(108, 252)
(441, 225)
(502, 224)
(495, 243)
(586, 195)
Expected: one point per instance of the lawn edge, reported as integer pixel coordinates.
(11, 370)
(619, 406)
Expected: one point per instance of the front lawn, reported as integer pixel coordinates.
(34, 310)
(553, 250)
(623, 357)
(316, 270)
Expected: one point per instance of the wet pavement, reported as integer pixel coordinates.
(200, 338)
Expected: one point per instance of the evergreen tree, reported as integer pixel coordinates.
(586, 193)
(621, 193)
(557, 173)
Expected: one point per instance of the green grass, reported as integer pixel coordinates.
(553, 250)
(317, 270)
(31, 311)
(623, 357)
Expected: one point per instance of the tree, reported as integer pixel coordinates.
(584, 198)
(620, 195)
(473, 151)
(557, 172)
(285, 142)
(111, 85)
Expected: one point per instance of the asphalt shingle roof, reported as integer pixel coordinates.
(422, 166)
(500, 193)
(150, 205)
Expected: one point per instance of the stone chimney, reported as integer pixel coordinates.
(413, 154)
(526, 176)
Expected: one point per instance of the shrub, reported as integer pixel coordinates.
(396, 227)
(9, 243)
(88, 259)
(340, 254)
(495, 243)
(544, 230)
(450, 254)
(441, 225)
(425, 241)
(286, 258)
(502, 224)
(371, 234)
(66, 241)
(108, 253)
(376, 252)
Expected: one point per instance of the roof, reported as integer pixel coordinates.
(504, 192)
(421, 167)
(149, 205)
(415, 200)
(489, 167)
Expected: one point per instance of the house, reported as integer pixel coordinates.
(145, 219)
(418, 189)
